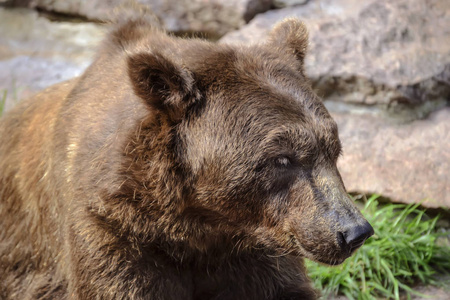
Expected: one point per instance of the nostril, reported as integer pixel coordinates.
(341, 239)
(356, 235)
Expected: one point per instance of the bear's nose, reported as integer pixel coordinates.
(356, 235)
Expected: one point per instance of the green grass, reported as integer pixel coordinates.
(402, 252)
(2, 102)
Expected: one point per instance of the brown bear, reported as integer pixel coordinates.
(174, 169)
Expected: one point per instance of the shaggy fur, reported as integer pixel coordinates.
(173, 169)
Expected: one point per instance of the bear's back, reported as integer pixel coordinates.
(28, 213)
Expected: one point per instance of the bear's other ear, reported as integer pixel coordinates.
(161, 83)
(291, 34)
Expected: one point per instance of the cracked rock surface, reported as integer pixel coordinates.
(405, 162)
(36, 53)
(212, 17)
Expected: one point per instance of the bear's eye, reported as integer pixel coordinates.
(283, 161)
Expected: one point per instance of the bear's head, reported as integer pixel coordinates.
(239, 152)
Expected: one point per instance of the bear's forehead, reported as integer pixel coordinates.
(256, 90)
(262, 85)
(255, 72)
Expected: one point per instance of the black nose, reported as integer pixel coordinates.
(356, 235)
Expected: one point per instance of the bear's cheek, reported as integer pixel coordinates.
(231, 197)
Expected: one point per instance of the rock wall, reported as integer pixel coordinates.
(211, 17)
(36, 53)
(382, 68)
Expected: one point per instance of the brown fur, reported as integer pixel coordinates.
(172, 169)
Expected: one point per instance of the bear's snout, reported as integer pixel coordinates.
(339, 227)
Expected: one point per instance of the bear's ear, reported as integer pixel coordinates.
(291, 35)
(163, 84)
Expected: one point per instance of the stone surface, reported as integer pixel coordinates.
(429, 292)
(36, 53)
(433, 292)
(213, 17)
(404, 162)
(393, 55)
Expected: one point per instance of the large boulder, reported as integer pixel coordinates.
(389, 57)
(36, 53)
(212, 17)
(404, 162)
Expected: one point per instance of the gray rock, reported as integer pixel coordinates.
(404, 162)
(440, 291)
(36, 53)
(213, 17)
(393, 55)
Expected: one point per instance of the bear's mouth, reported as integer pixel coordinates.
(333, 260)
(336, 255)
